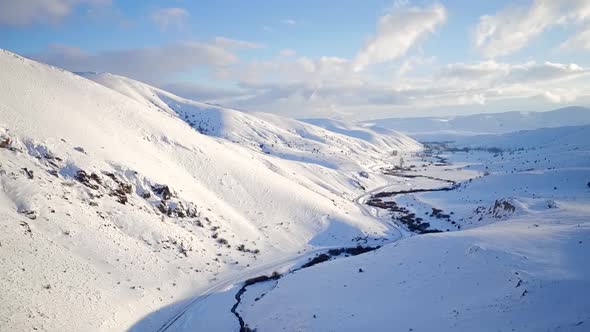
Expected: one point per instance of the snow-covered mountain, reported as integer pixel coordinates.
(112, 205)
(556, 138)
(452, 127)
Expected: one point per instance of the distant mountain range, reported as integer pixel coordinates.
(451, 127)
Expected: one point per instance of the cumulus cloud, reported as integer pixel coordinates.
(148, 64)
(23, 12)
(514, 27)
(312, 87)
(397, 32)
(167, 18)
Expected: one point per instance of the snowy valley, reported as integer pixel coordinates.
(126, 207)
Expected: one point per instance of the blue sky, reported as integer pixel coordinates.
(344, 59)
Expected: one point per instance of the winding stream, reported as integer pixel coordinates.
(408, 218)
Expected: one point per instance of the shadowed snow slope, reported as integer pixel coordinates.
(111, 206)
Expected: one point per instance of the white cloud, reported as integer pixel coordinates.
(397, 32)
(473, 71)
(24, 12)
(414, 63)
(494, 73)
(400, 3)
(580, 41)
(286, 52)
(576, 10)
(205, 93)
(229, 43)
(513, 27)
(167, 18)
(492, 81)
(531, 72)
(558, 96)
(289, 21)
(317, 87)
(153, 64)
(288, 70)
(307, 87)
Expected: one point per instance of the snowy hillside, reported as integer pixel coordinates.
(112, 207)
(524, 276)
(375, 135)
(450, 128)
(274, 135)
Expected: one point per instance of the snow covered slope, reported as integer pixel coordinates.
(111, 206)
(518, 263)
(278, 136)
(526, 275)
(375, 135)
(450, 128)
